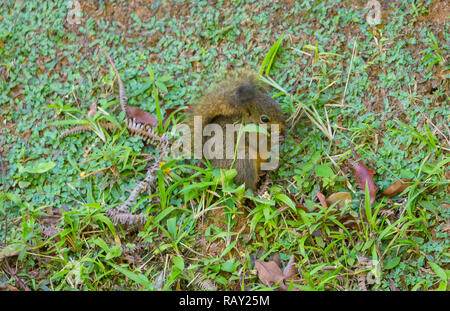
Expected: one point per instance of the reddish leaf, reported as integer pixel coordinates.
(169, 111)
(281, 209)
(396, 187)
(141, 116)
(364, 175)
(322, 199)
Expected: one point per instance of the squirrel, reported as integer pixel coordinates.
(239, 99)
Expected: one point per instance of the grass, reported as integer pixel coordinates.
(382, 88)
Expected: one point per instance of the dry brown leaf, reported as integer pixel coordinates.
(269, 273)
(340, 197)
(364, 175)
(141, 116)
(290, 271)
(396, 187)
(7, 287)
(349, 221)
(322, 199)
(276, 258)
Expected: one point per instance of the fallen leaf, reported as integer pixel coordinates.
(7, 287)
(340, 197)
(141, 116)
(396, 187)
(349, 221)
(322, 199)
(364, 176)
(269, 273)
(290, 271)
(277, 259)
(38, 168)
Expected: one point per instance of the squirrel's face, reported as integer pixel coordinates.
(260, 107)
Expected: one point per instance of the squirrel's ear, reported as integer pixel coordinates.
(245, 93)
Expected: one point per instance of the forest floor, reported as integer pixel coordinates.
(381, 89)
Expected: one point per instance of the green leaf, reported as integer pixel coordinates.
(228, 266)
(172, 226)
(439, 271)
(324, 171)
(443, 286)
(11, 250)
(103, 245)
(161, 86)
(178, 262)
(138, 278)
(113, 252)
(24, 184)
(268, 60)
(285, 199)
(228, 248)
(38, 168)
(164, 78)
(254, 128)
(141, 90)
(389, 264)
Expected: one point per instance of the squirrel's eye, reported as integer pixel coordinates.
(264, 119)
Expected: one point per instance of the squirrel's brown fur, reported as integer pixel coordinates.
(241, 98)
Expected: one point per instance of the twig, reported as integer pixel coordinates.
(19, 281)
